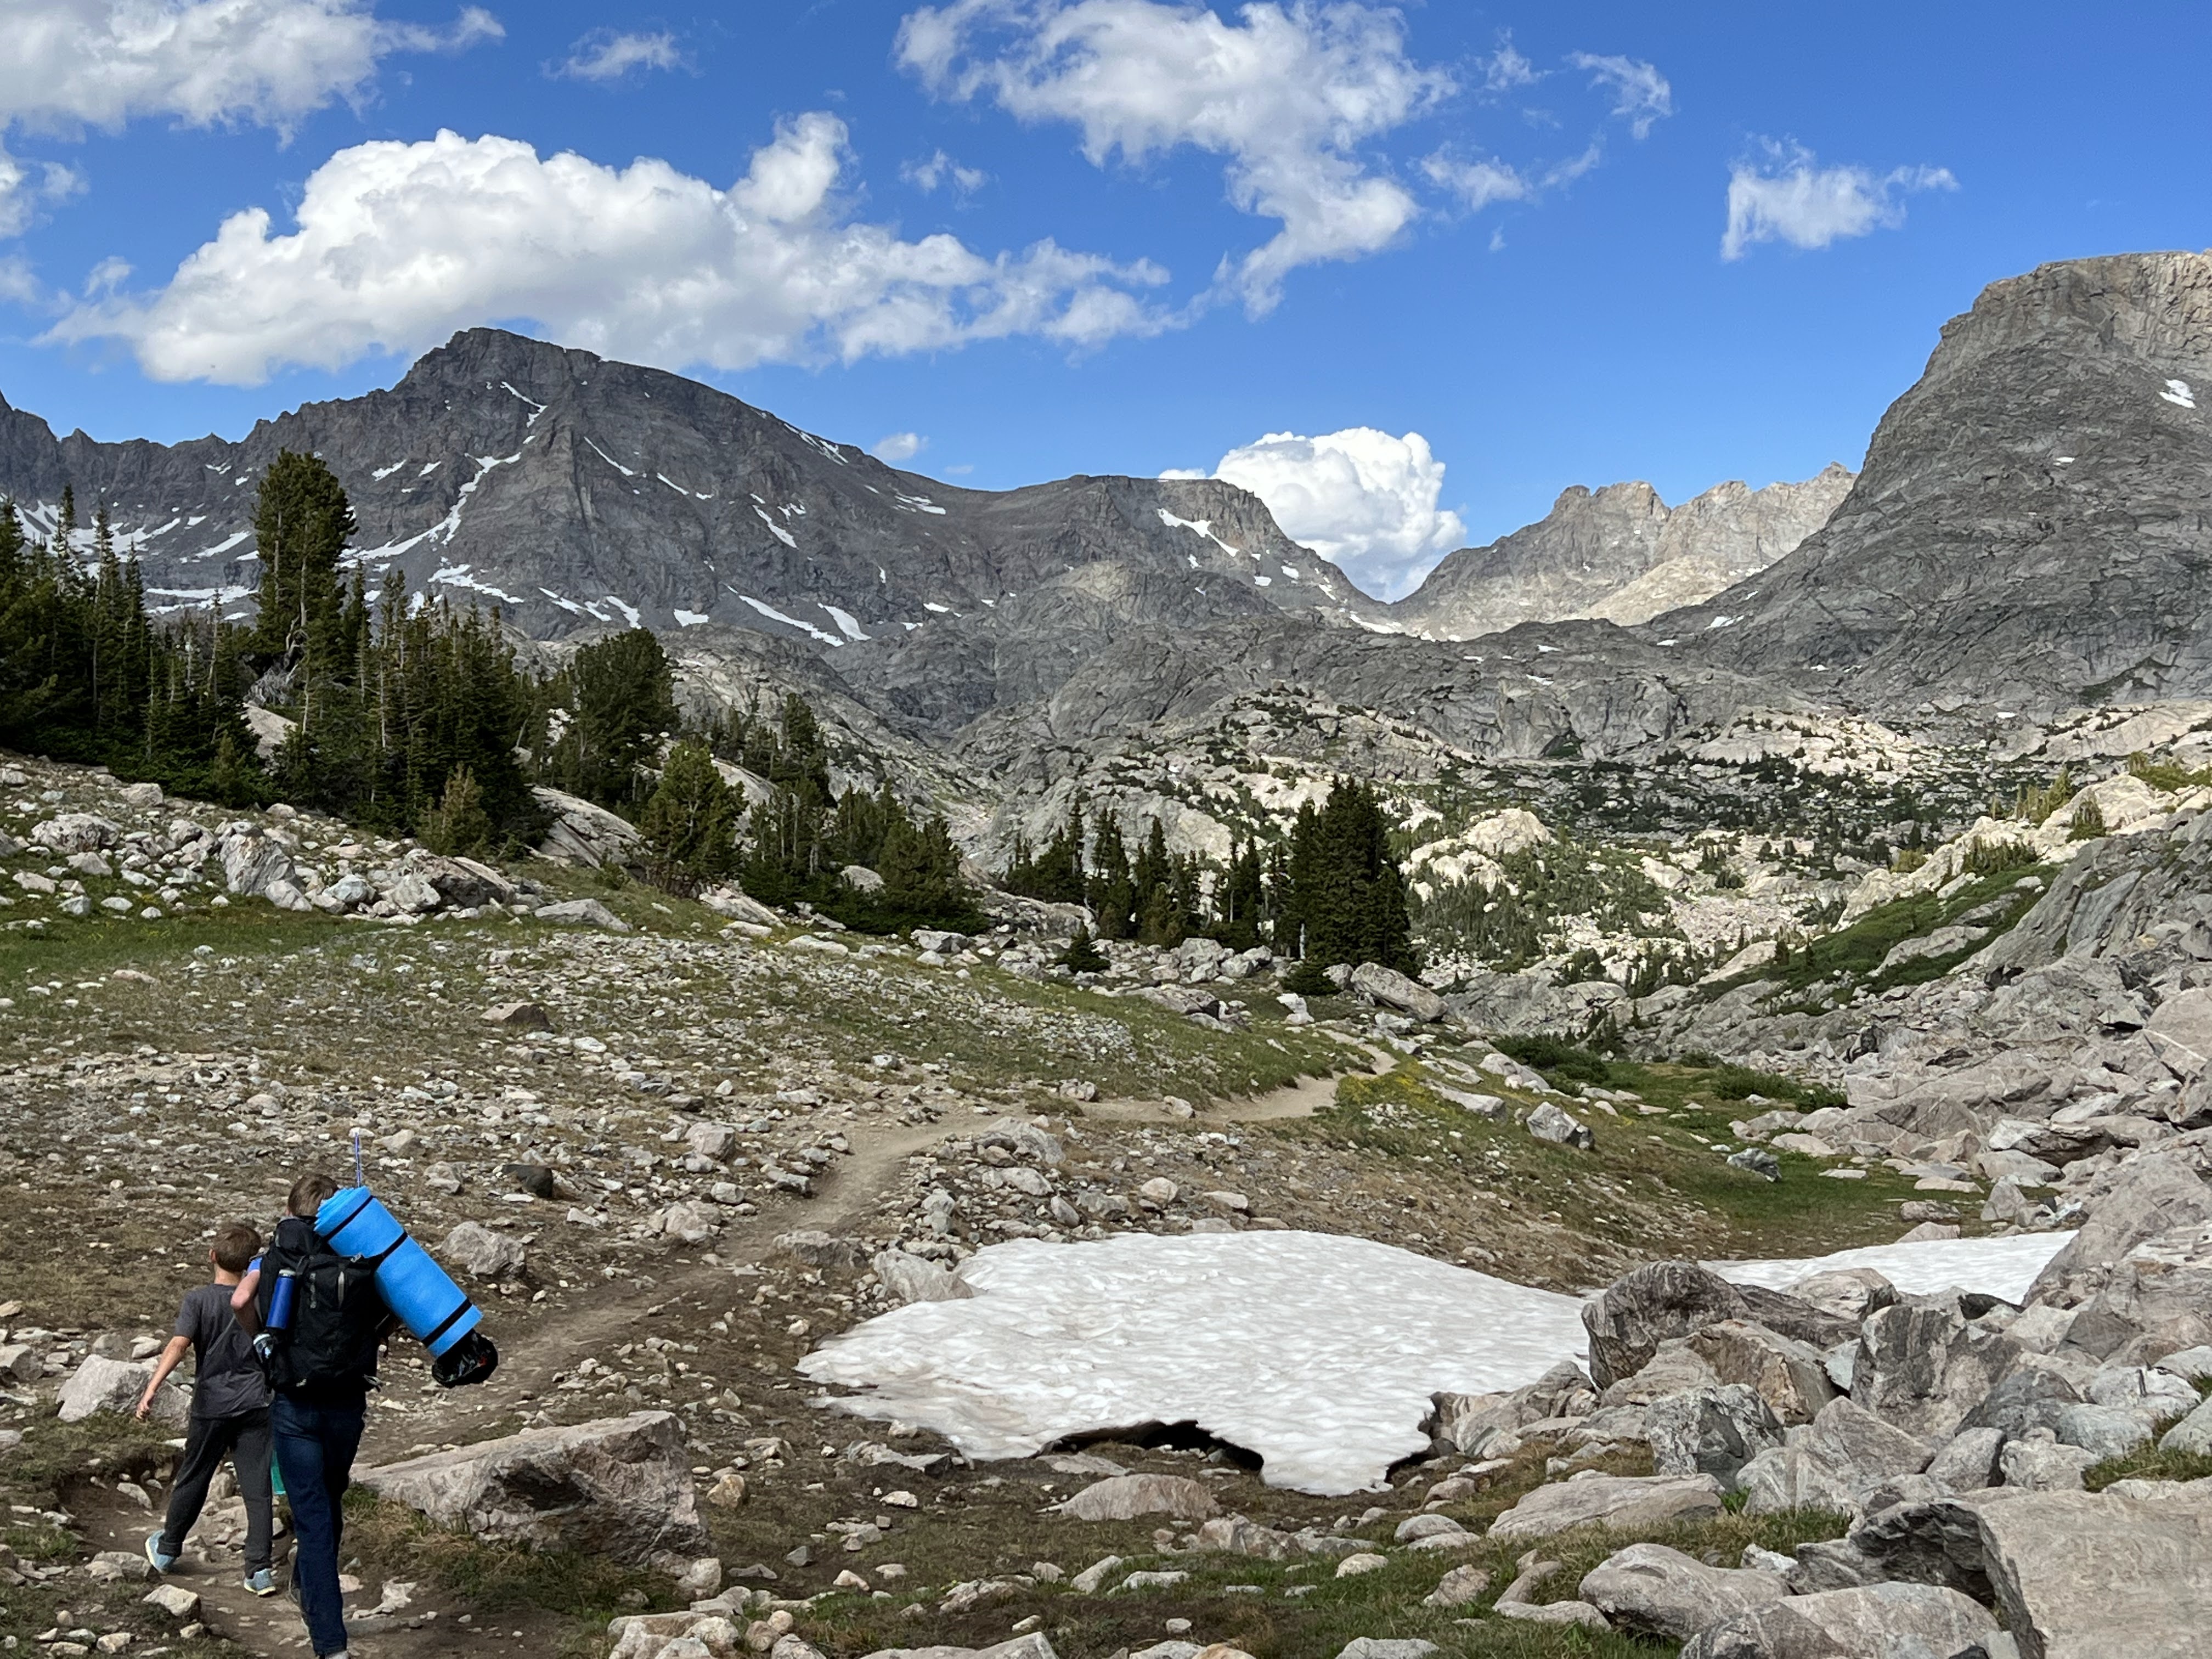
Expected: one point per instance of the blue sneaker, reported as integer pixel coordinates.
(161, 1562)
(263, 1583)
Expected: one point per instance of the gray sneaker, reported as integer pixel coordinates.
(263, 1583)
(159, 1562)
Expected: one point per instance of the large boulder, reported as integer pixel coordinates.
(1611, 1500)
(1663, 1592)
(1881, 1621)
(1936, 1539)
(1714, 1431)
(583, 913)
(1922, 1365)
(2086, 1575)
(482, 1253)
(1640, 1310)
(1636, 1313)
(75, 832)
(620, 1488)
(1844, 1450)
(1394, 990)
(2154, 1300)
(255, 865)
(1791, 1377)
(1126, 1496)
(101, 1384)
(907, 1279)
(2153, 1193)
(578, 831)
(462, 882)
(1467, 1422)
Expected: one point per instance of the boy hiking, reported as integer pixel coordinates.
(318, 1320)
(230, 1412)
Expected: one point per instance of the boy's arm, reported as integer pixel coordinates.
(243, 1307)
(172, 1357)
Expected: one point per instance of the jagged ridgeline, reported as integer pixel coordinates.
(416, 718)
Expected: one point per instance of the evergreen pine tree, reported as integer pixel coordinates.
(689, 824)
(1081, 956)
(1112, 890)
(301, 524)
(458, 826)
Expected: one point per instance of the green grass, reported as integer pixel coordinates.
(1642, 1168)
(1244, 1601)
(2148, 1462)
(1858, 949)
(498, 1577)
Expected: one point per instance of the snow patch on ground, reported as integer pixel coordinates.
(690, 618)
(1319, 1352)
(383, 472)
(610, 460)
(846, 622)
(775, 529)
(1200, 526)
(1999, 1266)
(774, 615)
(535, 408)
(2178, 393)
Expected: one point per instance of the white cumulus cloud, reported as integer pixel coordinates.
(606, 54)
(397, 245)
(67, 65)
(1793, 199)
(1360, 498)
(1288, 95)
(899, 446)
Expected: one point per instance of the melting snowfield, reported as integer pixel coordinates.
(1316, 1351)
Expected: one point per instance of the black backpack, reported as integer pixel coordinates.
(338, 1315)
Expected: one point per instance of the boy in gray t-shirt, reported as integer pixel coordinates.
(230, 1411)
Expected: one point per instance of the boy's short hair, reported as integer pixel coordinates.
(236, 1245)
(308, 1193)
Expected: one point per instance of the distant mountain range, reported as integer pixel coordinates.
(2031, 529)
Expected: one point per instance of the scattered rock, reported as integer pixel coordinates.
(1549, 1122)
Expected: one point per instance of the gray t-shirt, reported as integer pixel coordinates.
(228, 1380)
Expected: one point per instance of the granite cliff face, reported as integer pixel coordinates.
(2033, 527)
(574, 492)
(1619, 553)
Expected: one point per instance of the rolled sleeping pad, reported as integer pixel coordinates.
(437, 1311)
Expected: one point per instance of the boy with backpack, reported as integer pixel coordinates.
(317, 1321)
(230, 1412)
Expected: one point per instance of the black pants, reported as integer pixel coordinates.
(245, 1439)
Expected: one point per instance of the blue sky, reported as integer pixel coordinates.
(1039, 237)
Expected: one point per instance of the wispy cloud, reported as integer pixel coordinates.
(606, 54)
(1792, 198)
(1641, 95)
(926, 176)
(898, 447)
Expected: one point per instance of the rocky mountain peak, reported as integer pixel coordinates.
(1619, 553)
(2030, 530)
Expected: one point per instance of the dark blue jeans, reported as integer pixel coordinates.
(315, 1448)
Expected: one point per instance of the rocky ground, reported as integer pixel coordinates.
(670, 1148)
